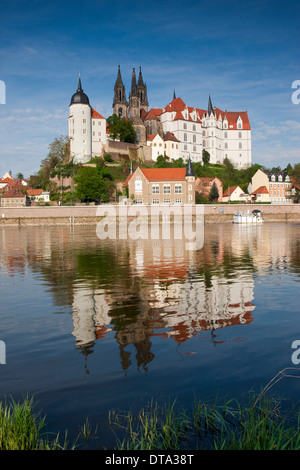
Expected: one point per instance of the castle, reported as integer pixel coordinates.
(176, 130)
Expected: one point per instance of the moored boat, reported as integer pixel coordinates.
(254, 217)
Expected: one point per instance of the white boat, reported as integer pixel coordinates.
(254, 217)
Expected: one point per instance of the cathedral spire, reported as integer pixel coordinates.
(140, 81)
(133, 82)
(174, 95)
(210, 107)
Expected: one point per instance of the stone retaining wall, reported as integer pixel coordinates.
(88, 214)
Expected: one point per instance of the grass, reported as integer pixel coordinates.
(258, 425)
(23, 429)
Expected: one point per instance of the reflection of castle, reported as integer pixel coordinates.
(140, 289)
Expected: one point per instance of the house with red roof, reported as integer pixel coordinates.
(234, 193)
(15, 197)
(165, 186)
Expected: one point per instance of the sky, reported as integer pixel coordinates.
(244, 54)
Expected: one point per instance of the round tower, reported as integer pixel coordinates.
(80, 127)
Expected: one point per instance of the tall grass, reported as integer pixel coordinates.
(23, 429)
(258, 425)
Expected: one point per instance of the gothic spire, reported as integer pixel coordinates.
(140, 80)
(174, 95)
(210, 107)
(133, 81)
(189, 169)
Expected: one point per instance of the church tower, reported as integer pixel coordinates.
(138, 99)
(80, 126)
(120, 104)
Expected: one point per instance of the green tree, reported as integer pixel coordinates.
(205, 157)
(93, 183)
(214, 193)
(121, 129)
(295, 176)
(59, 154)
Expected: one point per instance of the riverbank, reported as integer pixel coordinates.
(254, 425)
(90, 215)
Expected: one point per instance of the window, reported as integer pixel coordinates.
(155, 189)
(167, 189)
(240, 145)
(93, 132)
(178, 189)
(155, 201)
(178, 200)
(225, 135)
(226, 145)
(194, 138)
(185, 147)
(194, 127)
(167, 201)
(240, 135)
(93, 123)
(185, 137)
(184, 126)
(84, 121)
(84, 131)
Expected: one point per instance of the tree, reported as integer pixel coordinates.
(214, 193)
(295, 176)
(121, 129)
(59, 154)
(93, 183)
(205, 157)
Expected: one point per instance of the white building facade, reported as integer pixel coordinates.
(222, 134)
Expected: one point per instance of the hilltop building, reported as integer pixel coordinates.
(175, 130)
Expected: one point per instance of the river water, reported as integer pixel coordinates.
(94, 325)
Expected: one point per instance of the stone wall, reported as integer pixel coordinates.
(56, 215)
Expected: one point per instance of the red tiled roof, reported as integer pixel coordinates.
(96, 115)
(153, 113)
(6, 180)
(164, 174)
(13, 193)
(261, 190)
(229, 191)
(34, 192)
(151, 136)
(178, 106)
(170, 136)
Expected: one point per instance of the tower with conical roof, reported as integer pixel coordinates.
(80, 126)
(120, 104)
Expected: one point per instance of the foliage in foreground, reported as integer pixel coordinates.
(22, 429)
(258, 424)
(231, 426)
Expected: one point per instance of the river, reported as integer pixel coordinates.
(93, 325)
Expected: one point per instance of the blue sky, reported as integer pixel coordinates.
(245, 54)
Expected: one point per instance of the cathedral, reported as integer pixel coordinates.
(175, 130)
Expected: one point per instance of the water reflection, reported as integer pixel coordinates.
(135, 291)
